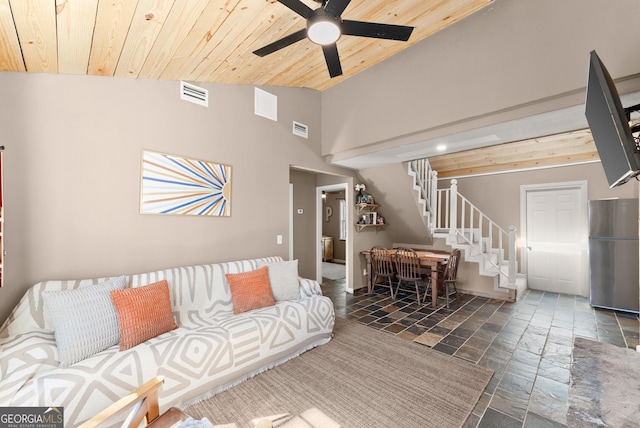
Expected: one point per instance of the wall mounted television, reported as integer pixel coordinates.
(609, 124)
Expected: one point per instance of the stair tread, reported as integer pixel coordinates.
(492, 261)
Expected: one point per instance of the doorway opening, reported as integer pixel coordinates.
(333, 235)
(554, 232)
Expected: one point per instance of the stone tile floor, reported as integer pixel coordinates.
(528, 343)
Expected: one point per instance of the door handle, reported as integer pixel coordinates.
(528, 248)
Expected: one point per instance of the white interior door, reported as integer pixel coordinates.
(556, 238)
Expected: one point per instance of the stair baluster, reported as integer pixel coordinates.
(426, 182)
(448, 210)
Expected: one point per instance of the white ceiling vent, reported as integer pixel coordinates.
(194, 94)
(300, 129)
(266, 104)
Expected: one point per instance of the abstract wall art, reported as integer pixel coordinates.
(183, 186)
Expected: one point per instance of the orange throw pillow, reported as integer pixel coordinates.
(143, 312)
(250, 290)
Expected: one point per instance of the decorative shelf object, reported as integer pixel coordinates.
(368, 216)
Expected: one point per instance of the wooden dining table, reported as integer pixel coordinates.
(431, 259)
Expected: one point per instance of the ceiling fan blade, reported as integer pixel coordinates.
(333, 59)
(377, 31)
(336, 7)
(282, 43)
(298, 7)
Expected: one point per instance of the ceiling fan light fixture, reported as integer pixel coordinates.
(325, 26)
(323, 29)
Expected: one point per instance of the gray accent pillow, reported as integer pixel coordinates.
(283, 277)
(84, 320)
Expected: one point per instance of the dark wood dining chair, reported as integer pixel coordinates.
(450, 275)
(409, 271)
(448, 279)
(381, 269)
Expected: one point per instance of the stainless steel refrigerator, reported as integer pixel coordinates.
(613, 254)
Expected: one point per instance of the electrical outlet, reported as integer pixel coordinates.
(279, 239)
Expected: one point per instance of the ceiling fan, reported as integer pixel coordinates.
(325, 26)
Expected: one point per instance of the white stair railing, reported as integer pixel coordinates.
(465, 221)
(427, 181)
(448, 210)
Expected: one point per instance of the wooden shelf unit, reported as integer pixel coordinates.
(368, 208)
(360, 227)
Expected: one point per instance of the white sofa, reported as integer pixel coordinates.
(211, 350)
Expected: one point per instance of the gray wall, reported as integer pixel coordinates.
(72, 163)
(510, 60)
(498, 196)
(305, 239)
(392, 188)
(72, 174)
(304, 225)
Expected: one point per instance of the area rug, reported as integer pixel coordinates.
(362, 378)
(333, 270)
(605, 386)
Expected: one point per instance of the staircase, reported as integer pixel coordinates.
(451, 216)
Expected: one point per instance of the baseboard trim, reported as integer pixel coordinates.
(487, 295)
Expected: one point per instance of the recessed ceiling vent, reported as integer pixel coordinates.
(300, 129)
(194, 94)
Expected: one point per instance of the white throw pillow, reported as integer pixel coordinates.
(84, 320)
(283, 277)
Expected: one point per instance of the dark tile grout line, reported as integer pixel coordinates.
(537, 368)
(535, 313)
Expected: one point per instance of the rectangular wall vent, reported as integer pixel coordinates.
(300, 129)
(194, 94)
(265, 104)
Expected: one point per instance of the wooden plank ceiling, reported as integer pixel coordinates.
(201, 40)
(555, 150)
